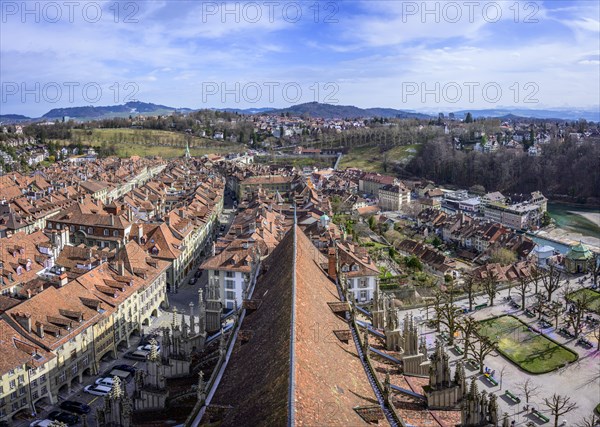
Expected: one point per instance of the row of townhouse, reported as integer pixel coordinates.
(185, 234)
(237, 256)
(63, 332)
(472, 235)
(353, 265)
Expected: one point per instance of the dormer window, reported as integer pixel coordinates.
(116, 233)
(345, 268)
(90, 230)
(354, 267)
(106, 232)
(19, 270)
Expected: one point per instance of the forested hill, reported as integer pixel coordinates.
(567, 170)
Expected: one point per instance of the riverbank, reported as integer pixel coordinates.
(566, 239)
(576, 221)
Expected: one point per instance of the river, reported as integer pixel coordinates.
(567, 219)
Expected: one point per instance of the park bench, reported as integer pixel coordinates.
(458, 349)
(480, 306)
(490, 379)
(473, 363)
(529, 313)
(584, 342)
(566, 332)
(540, 415)
(512, 397)
(545, 323)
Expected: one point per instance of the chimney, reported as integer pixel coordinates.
(39, 329)
(182, 213)
(112, 219)
(167, 220)
(24, 320)
(121, 268)
(331, 270)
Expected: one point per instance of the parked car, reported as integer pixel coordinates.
(127, 368)
(74, 406)
(41, 423)
(148, 347)
(98, 390)
(64, 417)
(137, 355)
(107, 381)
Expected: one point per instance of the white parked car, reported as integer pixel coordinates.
(98, 390)
(107, 381)
(148, 347)
(41, 423)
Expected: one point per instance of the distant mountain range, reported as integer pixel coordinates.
(511, 114)
(329, 111)
(312, 109)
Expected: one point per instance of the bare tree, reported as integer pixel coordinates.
(480, 346)
(554, 310)
(470, 286)
(490, 286)
(551, 280)
(529, 390)
(596, 333)
(559, 406)
(467, 326)
(565, 291)
(447, 314)
(595, 267)
(523, 285)
(590, 421)
(575, 314)
(536, 277)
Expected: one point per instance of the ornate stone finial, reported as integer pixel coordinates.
(473, 390)
(174, 321)
(493, 410)
(116, 392)
(387, 385)
(201, 391)
(222, 342)
(505, 422)
(200, 297)
(154, 356)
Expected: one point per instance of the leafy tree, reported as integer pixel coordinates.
(413, 263)
(503, 256)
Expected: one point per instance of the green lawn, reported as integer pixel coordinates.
(144, 142)
(371, 158)
(594, 296)
(532, 352)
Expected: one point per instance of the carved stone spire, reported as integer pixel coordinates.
(201, 391)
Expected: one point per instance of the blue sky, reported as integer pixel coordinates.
(428, 56)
